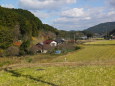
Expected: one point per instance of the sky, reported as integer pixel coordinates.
(67, 14)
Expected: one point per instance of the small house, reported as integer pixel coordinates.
(44, 47)
(50, 42)
(53, 43)
(59, 40)
(84, 37)
(47, 41)
(113, 37)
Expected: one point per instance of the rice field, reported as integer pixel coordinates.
(69, 71)
(102, 42)
(89, 54)
(59, 76)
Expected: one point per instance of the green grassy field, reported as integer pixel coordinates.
(59, 76)
(92, 65)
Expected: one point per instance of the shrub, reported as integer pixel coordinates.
(5, 63)
(77, 47)
(29, 60)
(24, 48)
(33, 50)
(1, 52)
(12, 51)
(22, 52)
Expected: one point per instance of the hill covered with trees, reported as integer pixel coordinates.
(20, 30)
(102, 28)
(19, 24)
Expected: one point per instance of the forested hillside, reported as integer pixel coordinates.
(20, 30)
(102, 28)
(19, 24)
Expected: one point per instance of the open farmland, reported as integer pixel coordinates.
(59, 76)
(92, 65)
(103, 42)
(90, 54)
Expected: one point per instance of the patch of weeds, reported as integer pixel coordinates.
(5, 63)
(77, 47)
(40, 69)
(29, 60)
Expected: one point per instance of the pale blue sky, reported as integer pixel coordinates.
(67, 14)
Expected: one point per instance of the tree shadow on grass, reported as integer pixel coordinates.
(17, 74)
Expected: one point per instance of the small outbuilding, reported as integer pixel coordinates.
(59, 40)
(53, 43)
(50, 42)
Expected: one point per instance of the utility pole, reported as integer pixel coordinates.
(107, 29)
(74, 38)
(106, 33)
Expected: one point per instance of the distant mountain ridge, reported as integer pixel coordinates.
(102, 28)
